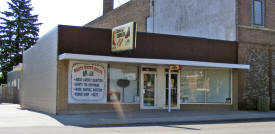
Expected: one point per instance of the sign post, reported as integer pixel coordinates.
(169, 90)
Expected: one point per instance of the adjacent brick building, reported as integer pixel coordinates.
(249, 22)
(256, 47)
(135, 10)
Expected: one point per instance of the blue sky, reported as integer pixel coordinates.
(66, 12)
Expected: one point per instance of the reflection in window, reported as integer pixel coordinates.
(123, 84)
(258, 12)
(205, 86)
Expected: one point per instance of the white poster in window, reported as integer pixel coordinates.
(87, 84)
(130, 76)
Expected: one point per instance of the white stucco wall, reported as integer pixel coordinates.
(161, 87)
(213, 19)
(40, 74)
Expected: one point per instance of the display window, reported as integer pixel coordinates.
(205, 86)
(123, 84)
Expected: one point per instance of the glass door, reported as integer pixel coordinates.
(174, 90)
(149, 85)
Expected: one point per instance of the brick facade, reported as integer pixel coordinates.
(273, 80)
(135, 10)
(107, 6)
(256, 47)
(270, 14)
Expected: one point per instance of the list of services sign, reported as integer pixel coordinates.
(88, 81)
(124, 37)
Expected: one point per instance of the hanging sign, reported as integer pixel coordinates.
(124, 37)
(87, 83)
(177, 67)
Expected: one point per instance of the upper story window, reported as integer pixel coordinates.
(258, 12)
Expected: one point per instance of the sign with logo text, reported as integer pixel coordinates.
(87, 83)
(124, 37)
(178, 67)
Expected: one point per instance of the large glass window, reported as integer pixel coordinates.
(123, 84)
(205, 86)
(258, 12)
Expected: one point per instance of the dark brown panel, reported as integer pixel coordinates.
(80, 40)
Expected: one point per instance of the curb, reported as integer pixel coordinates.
(121, 124)
(109, 124)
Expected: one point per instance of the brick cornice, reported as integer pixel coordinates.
(257, 28)
(256, 35)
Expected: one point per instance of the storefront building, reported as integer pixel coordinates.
(73, 70)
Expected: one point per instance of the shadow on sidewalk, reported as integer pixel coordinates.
(177, 124)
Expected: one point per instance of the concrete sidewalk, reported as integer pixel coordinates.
(12, 116)
(162, 117)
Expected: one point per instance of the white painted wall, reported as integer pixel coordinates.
(40, 74)
(213, 19)
(160, 91)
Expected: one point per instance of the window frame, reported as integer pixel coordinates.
(108, 83)
(262, 13)
(205, 103)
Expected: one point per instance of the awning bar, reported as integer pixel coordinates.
(69, 56)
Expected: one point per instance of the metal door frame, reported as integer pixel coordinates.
(142, 88)
(178, 92)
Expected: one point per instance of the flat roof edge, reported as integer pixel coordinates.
(70, 56)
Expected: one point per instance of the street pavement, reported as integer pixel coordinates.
(11, 115)
(263, 127)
